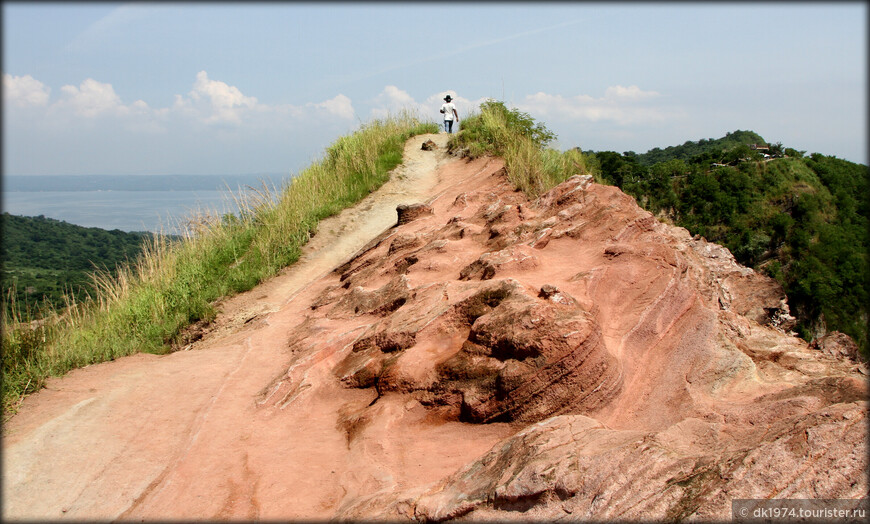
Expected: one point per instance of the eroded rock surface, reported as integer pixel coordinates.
(648, 374)
(492, 358)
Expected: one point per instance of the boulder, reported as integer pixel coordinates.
(411, 212)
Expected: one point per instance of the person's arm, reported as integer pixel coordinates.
(455, 113)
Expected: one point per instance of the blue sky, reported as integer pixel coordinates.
(227, 88)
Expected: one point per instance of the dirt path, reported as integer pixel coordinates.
(201, 434)
(340, 236)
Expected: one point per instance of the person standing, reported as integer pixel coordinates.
(449, 111)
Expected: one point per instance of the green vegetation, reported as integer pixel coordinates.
(802, 220)
(147, 304)
(531, 166)
(45, 259)
(734, 142)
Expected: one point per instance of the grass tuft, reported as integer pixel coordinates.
(531, 166)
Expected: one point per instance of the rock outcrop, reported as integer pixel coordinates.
(647, 374)
(486, 358)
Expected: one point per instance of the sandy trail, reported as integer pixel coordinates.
(239, 426)
(341, 236)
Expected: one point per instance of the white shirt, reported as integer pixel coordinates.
(448, 108)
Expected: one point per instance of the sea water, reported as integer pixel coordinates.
(156, 211)
(156, 203)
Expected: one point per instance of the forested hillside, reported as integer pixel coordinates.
(43, 257)
(729, 142)
(802, 220)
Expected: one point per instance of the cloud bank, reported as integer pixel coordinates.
(93, 99)
(216, 127)
(215, 103)
(24, 91)
(621, 106)
(393, 100)
(209, 102)
(625, 106)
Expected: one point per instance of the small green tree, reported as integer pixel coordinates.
(776, 149)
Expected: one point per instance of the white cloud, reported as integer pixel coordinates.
(217, 103)
(92, 99)
(393, 100)
(630, 93)
(226, 103)
(621, 105)
(339, 106)
(140, 106)
(24, 91)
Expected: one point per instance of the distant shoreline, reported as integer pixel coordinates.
(39, 183)
(142, 210)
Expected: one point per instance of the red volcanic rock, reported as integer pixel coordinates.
(492, 263)
(841, 346)
(404, 241)
(382, 301)
(494, 358)
(407, 213)
(649, 374)
(573, 466)
(526, 359)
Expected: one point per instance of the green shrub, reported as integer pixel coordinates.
(522, 142)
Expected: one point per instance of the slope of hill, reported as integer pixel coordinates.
(692, 149)
(44, 258)
(546, 354)
(802, 220)
(488, 357)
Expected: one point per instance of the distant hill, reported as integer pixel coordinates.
(803, 220)
(43, 257)
(692, 149)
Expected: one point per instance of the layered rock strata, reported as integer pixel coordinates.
(486, 358)
(647, 373)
